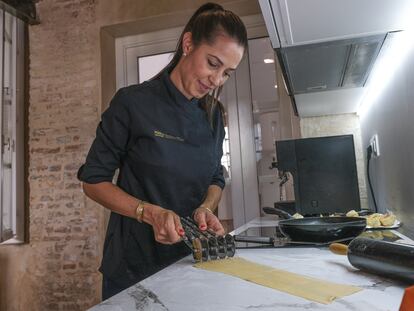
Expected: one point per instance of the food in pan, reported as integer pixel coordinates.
(387, 219)
(352, 213)
(376, 220)
(297, 216)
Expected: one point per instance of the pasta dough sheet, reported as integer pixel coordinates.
(292, 283)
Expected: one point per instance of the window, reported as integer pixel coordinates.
(149, 66)
(12, 128)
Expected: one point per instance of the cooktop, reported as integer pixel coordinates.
(281, 241)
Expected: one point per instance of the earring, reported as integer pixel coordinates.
(184, 54)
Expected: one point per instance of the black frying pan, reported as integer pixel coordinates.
(319, 229)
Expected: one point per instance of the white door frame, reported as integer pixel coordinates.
(128, 49)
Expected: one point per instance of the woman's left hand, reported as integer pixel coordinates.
(207, 220)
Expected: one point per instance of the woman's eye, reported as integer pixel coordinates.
(214, 65)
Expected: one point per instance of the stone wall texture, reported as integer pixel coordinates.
(57, 269)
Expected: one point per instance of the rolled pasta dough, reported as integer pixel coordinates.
(295, 284)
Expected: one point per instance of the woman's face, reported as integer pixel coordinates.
(207, 66)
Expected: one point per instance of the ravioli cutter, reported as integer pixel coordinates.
(206, 245)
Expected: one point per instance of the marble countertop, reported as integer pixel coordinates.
(183, 287)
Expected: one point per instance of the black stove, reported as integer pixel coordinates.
(272, 237)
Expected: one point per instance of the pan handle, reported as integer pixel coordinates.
(276, 211)
(254, 239)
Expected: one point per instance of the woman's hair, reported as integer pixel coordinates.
(209, 21)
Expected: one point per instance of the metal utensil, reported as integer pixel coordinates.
(206, 245)
(281, 242)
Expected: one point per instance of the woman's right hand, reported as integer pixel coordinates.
(165, 223)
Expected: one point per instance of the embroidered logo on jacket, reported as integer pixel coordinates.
(167, 136)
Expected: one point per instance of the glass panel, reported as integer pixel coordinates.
(265, 117)
(149, 66)
(8, 223)
(225, 212)
(225, 160)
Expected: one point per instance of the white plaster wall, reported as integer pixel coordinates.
(391, 117)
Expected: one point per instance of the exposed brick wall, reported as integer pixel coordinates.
(63, 113)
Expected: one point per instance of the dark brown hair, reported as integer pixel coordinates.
(207, 22)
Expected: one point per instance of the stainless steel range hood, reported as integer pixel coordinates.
(329, 65)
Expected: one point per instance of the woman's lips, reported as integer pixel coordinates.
(203, 87)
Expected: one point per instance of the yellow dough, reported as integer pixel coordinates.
(374, 220)
(378, 220)
(352, 213)
(387, 219)
(297, 216)
(295, 284)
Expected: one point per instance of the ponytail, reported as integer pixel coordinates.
(207, 22)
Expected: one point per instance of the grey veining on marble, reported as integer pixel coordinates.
(137, 297)
(185, 288)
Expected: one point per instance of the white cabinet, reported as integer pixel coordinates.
(296, 22)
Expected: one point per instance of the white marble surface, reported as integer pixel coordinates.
(183, 287)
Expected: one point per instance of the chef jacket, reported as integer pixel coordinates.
(168, 153)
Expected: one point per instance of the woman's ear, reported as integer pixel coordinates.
(187, 43)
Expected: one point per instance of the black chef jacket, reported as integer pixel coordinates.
(168, 154)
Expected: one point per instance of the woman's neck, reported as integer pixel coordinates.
(176, 78)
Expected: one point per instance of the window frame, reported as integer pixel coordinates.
(16, 143)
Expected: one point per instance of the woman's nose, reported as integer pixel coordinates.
(216, 79)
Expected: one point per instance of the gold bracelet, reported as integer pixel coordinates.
(139, 212)
(194, 212)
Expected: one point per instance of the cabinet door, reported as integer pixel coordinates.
(311, 21)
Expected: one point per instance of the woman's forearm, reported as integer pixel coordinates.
(212, 198)
(166, 224)
(112, 197)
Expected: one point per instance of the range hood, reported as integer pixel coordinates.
(329, 65)
(327, 48)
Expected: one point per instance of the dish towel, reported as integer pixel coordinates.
(407, 303)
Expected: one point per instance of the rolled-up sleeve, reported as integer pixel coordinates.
(218, 178)
(110, 144)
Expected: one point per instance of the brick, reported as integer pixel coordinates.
(55, 168)
(74, 148)
(72, 167)
(45, 150)
(69, 266)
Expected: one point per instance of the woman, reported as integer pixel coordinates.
(165, 136)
